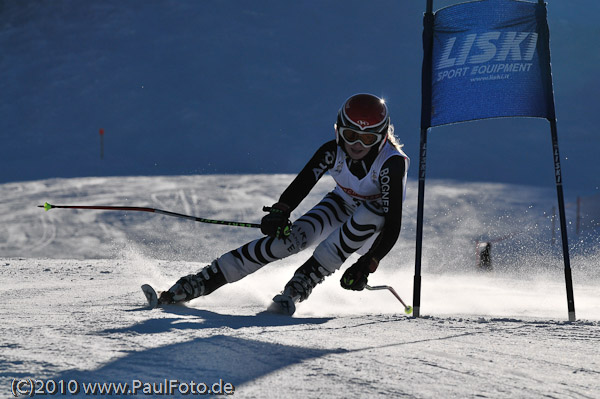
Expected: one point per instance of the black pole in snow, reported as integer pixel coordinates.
(425, 125)
(545, 64)
(419, 238)
(563, 222)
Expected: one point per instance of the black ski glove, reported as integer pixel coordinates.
(277, 223)
(355, 277)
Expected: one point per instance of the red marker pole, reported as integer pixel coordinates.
(101, 143)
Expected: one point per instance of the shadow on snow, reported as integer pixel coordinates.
(209, 359)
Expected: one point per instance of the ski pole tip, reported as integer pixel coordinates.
(46, 206)
(408, 309)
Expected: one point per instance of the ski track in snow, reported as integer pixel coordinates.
(73, 309)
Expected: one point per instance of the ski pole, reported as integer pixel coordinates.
(48, 206)
(407, 308)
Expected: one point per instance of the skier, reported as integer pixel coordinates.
(362, 214)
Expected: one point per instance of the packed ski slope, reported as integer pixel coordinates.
(73, 313)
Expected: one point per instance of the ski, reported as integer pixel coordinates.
(151, 296)
(283, 304)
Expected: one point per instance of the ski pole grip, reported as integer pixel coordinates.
(278, 207)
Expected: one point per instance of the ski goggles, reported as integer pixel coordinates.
(352, 136)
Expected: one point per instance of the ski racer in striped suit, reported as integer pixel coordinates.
(362, 214)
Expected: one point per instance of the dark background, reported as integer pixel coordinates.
(235, 87)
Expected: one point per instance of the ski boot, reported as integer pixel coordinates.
(189, 287)
(299, 287)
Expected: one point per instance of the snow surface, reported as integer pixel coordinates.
(73, 310)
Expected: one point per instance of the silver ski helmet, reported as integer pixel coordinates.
(363, 117)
